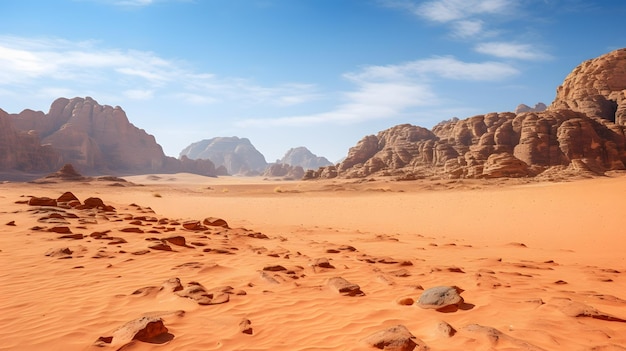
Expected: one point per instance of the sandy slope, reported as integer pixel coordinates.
(542, 264)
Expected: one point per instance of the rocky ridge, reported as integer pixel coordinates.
(94, 138)
(581, 133)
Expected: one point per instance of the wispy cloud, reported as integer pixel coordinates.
(453, 10)
(36, 64)
(468, 19)
(383, 92)
(512, 51)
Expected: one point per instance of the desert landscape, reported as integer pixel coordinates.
(500, 231)
(186, 262)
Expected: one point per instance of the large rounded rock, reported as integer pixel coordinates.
(440, 297)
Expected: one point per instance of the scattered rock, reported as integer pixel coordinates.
(171, 285)
(440, 297)
(577, 309)
(161, 246)
(60, 230)
(405, 301)
(215, 222)
(245, 326)
(322, 262)
(67, 197)
(344, 287)
(445, 329)
(42, 201)
(178, 240)
(63, 252)
(194, 225)
(11, 223)
(132, 230)
(202, 296)
(72, 236)
(144, 329)
(274, 268)
(396, 338)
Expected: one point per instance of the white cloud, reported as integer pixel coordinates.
(512, 51)
(440, 66)
(466, 18)
(467, 28)
(369, 101)
(453, 10)
(138, 94)
(81, 66)
(391, 91)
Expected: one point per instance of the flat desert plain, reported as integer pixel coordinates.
(182, 262)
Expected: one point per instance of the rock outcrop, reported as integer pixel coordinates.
(303, 157)
(284, 171)
(596, 88)
(96, 139)
(22, 150)
(582, 133)
(237, 155)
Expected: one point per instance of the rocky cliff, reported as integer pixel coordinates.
(237, 155)
(597, 88)
(22, 151)
(303, 157)
(99, 139)
(581, 132)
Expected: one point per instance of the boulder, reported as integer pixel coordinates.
(440, 298)
(396, 338)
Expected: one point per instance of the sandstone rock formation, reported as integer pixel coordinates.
(237, 155)
(94, 138)
(301, 156)
(596, 88)
(582, 133)
(22, 150)
(284, 171)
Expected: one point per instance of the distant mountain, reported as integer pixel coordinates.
(301, 156)
(237, 155)
(539, 107)
(95, 138)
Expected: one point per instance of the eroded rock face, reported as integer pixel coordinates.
(284, 170)
(597, 88)
(488, 146)
(96, 139)
(22, 150)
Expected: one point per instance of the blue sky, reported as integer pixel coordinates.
(287, 73)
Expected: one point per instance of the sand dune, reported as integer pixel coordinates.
(540, 266)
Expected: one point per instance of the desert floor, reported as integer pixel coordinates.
(541, 264)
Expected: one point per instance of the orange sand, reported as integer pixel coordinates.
(463, 233)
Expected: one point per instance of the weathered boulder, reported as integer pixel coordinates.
(440, 297)
(396, 338)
